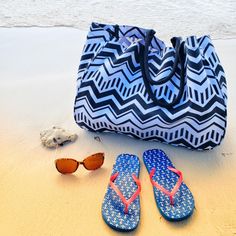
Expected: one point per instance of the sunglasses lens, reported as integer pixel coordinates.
(66, 166)
(94, 161)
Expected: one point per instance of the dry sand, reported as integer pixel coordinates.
(37, 73)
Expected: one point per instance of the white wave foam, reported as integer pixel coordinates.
(168, 18)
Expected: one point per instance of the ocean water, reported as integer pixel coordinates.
(169, 18)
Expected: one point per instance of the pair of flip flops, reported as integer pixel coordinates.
(121, 205)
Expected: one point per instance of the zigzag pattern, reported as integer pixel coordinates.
(111, 94)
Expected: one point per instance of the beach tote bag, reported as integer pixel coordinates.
(130, 82)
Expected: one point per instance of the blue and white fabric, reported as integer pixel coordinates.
(130, 82)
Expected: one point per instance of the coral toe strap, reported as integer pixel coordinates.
(176, 187)
(118, 192)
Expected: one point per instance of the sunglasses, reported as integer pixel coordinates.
(69, 165)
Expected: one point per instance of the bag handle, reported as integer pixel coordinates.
(179, 57)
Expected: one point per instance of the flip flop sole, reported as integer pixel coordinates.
(183, 199)
(112, 207)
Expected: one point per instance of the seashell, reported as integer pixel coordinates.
(56, 136)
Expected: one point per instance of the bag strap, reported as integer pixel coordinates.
(178, 44)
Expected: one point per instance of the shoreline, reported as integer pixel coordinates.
(168, 18)
(225, 37)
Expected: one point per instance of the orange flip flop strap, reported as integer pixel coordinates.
(118, 192)
(161, 188)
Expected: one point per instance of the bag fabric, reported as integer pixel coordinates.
(130, 82)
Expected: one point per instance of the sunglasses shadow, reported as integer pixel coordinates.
(97, 173)
(73, 178)
(66, 179)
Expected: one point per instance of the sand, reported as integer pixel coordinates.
(37, 88)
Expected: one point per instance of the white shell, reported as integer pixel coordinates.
(56, 136)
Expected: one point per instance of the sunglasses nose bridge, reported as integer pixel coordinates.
(81, 163)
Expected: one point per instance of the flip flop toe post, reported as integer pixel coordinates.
(121, 205)
(173, 197)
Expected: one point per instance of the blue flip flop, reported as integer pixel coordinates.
(173, 197)
(121, 205)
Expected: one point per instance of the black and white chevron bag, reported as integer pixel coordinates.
(130, 82)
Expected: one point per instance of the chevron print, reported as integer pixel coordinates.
(112, 96)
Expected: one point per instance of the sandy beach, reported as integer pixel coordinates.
(38, 68)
